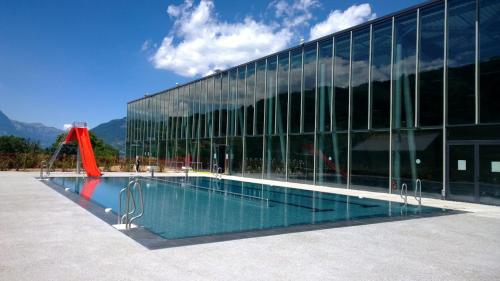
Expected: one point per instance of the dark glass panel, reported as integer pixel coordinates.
(236, 155)
(217, 106)
(359, 80)
(250, 99)
(431, 66)
(224, 104)
(204, 154)
(282, 96)
(461, 174)
(325, 85)
(331, 155)
(341, 83)
(203, 107)
(270, 95)
(295, 90)
(232, 103)
(370, 161)
(211, 102)
(253, 157)
(461, 61)
(404, 71)
(418, 154)
(275, 157)
(489, 68)
(240, 101)
(301, 158)
(260, 96)
(309, 91)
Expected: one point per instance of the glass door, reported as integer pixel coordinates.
(462, 178)
(474, 172)
(489, 174)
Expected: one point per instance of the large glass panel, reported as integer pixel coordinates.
(325, 85)
(370, 161)
(250, 99)
(331, 155)
(295, 90)
(270, 94)
(341, 83)
(216, 107)
(431, 66)
(301, 158)
(489, 68)
(275, 157)
(282, 96)
(381, 74)
(211, 102)
(359, 79)
(461, 61)
(404, 71)
(253, 157)
(240, 102)
(224, 104)
(260, 96)
(236, 155)
(309, 91)
(233, 103)
(417, 154)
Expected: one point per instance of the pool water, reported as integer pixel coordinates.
(176, 208)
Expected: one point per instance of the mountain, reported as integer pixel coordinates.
(33, 131)
(113, 133)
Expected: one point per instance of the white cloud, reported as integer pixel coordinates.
(199, 42)
(338, 20)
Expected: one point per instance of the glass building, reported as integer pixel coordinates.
(406, 97)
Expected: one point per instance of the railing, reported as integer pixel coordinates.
(418, 191)
(43, 166)
(404, 193)
(217, 171)
(128, 217)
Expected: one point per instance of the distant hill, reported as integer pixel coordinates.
(113, 133)
(33, 131)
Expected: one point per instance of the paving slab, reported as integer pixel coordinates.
(46, 236)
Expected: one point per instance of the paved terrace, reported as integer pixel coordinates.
(46, 236)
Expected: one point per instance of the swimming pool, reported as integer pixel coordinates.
(203, 206)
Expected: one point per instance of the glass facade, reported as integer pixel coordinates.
(404, 99)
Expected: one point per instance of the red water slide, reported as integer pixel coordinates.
(82, 136)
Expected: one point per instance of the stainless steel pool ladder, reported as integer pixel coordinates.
(418, 191)
(404, 193)
(217, 171)
(128, 217)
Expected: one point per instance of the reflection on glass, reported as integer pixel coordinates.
(431, 66)
(325, 85)
(404, 70)
(301, 158)
(341, 83)
(253, 157)
(360, 57)
(461, 61)
(309, 91)
(270, 95)
(331, 155)
(295, 90)
(489, 175)
(489, 31)
(370, 161)
(250, 99)
(260, 96)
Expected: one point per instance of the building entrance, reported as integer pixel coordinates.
(474, 171)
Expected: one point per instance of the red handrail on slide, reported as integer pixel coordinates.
(88, 160)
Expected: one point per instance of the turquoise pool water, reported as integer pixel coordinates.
(175, 208)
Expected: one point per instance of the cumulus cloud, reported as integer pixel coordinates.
(200, 42)
(338, 20)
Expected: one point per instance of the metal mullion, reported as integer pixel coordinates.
(417, 75)
(332, 90)
(370, 97)
(287, 151)
(264, 124)
(349, 124)
(275, 132)
(476, 74)
(445, 102)
(316, 114)
(244, 129)
(254, 115)
(301, 110)
(391, 107)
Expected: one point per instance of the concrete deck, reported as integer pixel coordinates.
(45, 236)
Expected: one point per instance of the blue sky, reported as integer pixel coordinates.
(62, 61)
